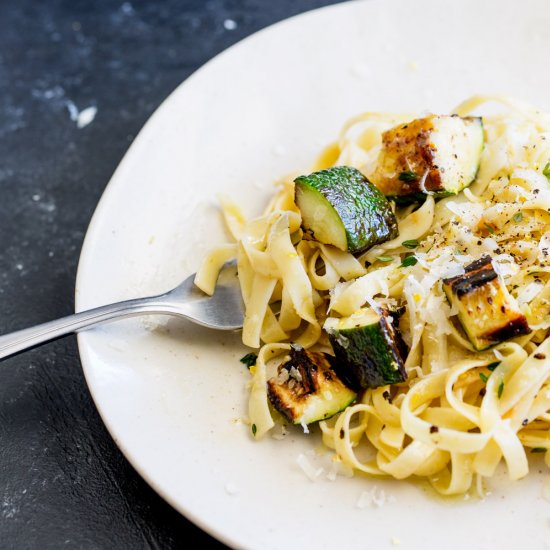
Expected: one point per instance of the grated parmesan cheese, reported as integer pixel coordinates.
(308, 468)
(374, 497)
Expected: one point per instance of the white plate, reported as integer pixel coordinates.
(171, 396)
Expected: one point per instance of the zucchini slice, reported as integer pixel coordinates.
(306, 388)
(486, 310)
(339, 206)
(439, 154)
(369, 349)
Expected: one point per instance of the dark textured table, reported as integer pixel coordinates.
(63, 481)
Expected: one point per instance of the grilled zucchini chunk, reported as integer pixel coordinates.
(439, 154)
(369, 349)
(307, 389)
(486, 310)
(339, 206)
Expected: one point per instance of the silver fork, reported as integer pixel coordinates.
(222, 311)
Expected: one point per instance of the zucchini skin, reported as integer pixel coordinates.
(486, 311)
(364, 211)
(370, 356)
(317, 394)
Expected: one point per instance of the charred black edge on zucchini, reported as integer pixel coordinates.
(476, 275)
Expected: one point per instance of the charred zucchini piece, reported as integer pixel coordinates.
(436, 154)
(369, 349)
(306, 388)
(486, 310)
(339, 206)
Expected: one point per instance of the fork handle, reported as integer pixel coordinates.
(27, 338)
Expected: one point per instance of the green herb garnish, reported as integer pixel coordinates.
(518, 216)
(408, 261)
(539, 449)
(546, 171)
(412, 243)
(408, 175)
(483, 377)
(254, 429)
(500, 389)
(489, 228)
(249, 359)
(384, 258)
(493, 366)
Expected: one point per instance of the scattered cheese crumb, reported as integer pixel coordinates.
(281, 434)
(73, 111)
(364, 500)
(230, 25)
(86, 116)
(395, 541)
(82, 118)
(231, 489)
(375, 496)
(295, 373)
(308, 468)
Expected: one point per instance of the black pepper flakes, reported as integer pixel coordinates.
(539, 356)
(434, 429)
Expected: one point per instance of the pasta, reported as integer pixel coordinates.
(460, 412)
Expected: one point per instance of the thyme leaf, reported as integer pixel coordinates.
(412, 243)
(408, 261)
(408, 176)
(249, 360)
